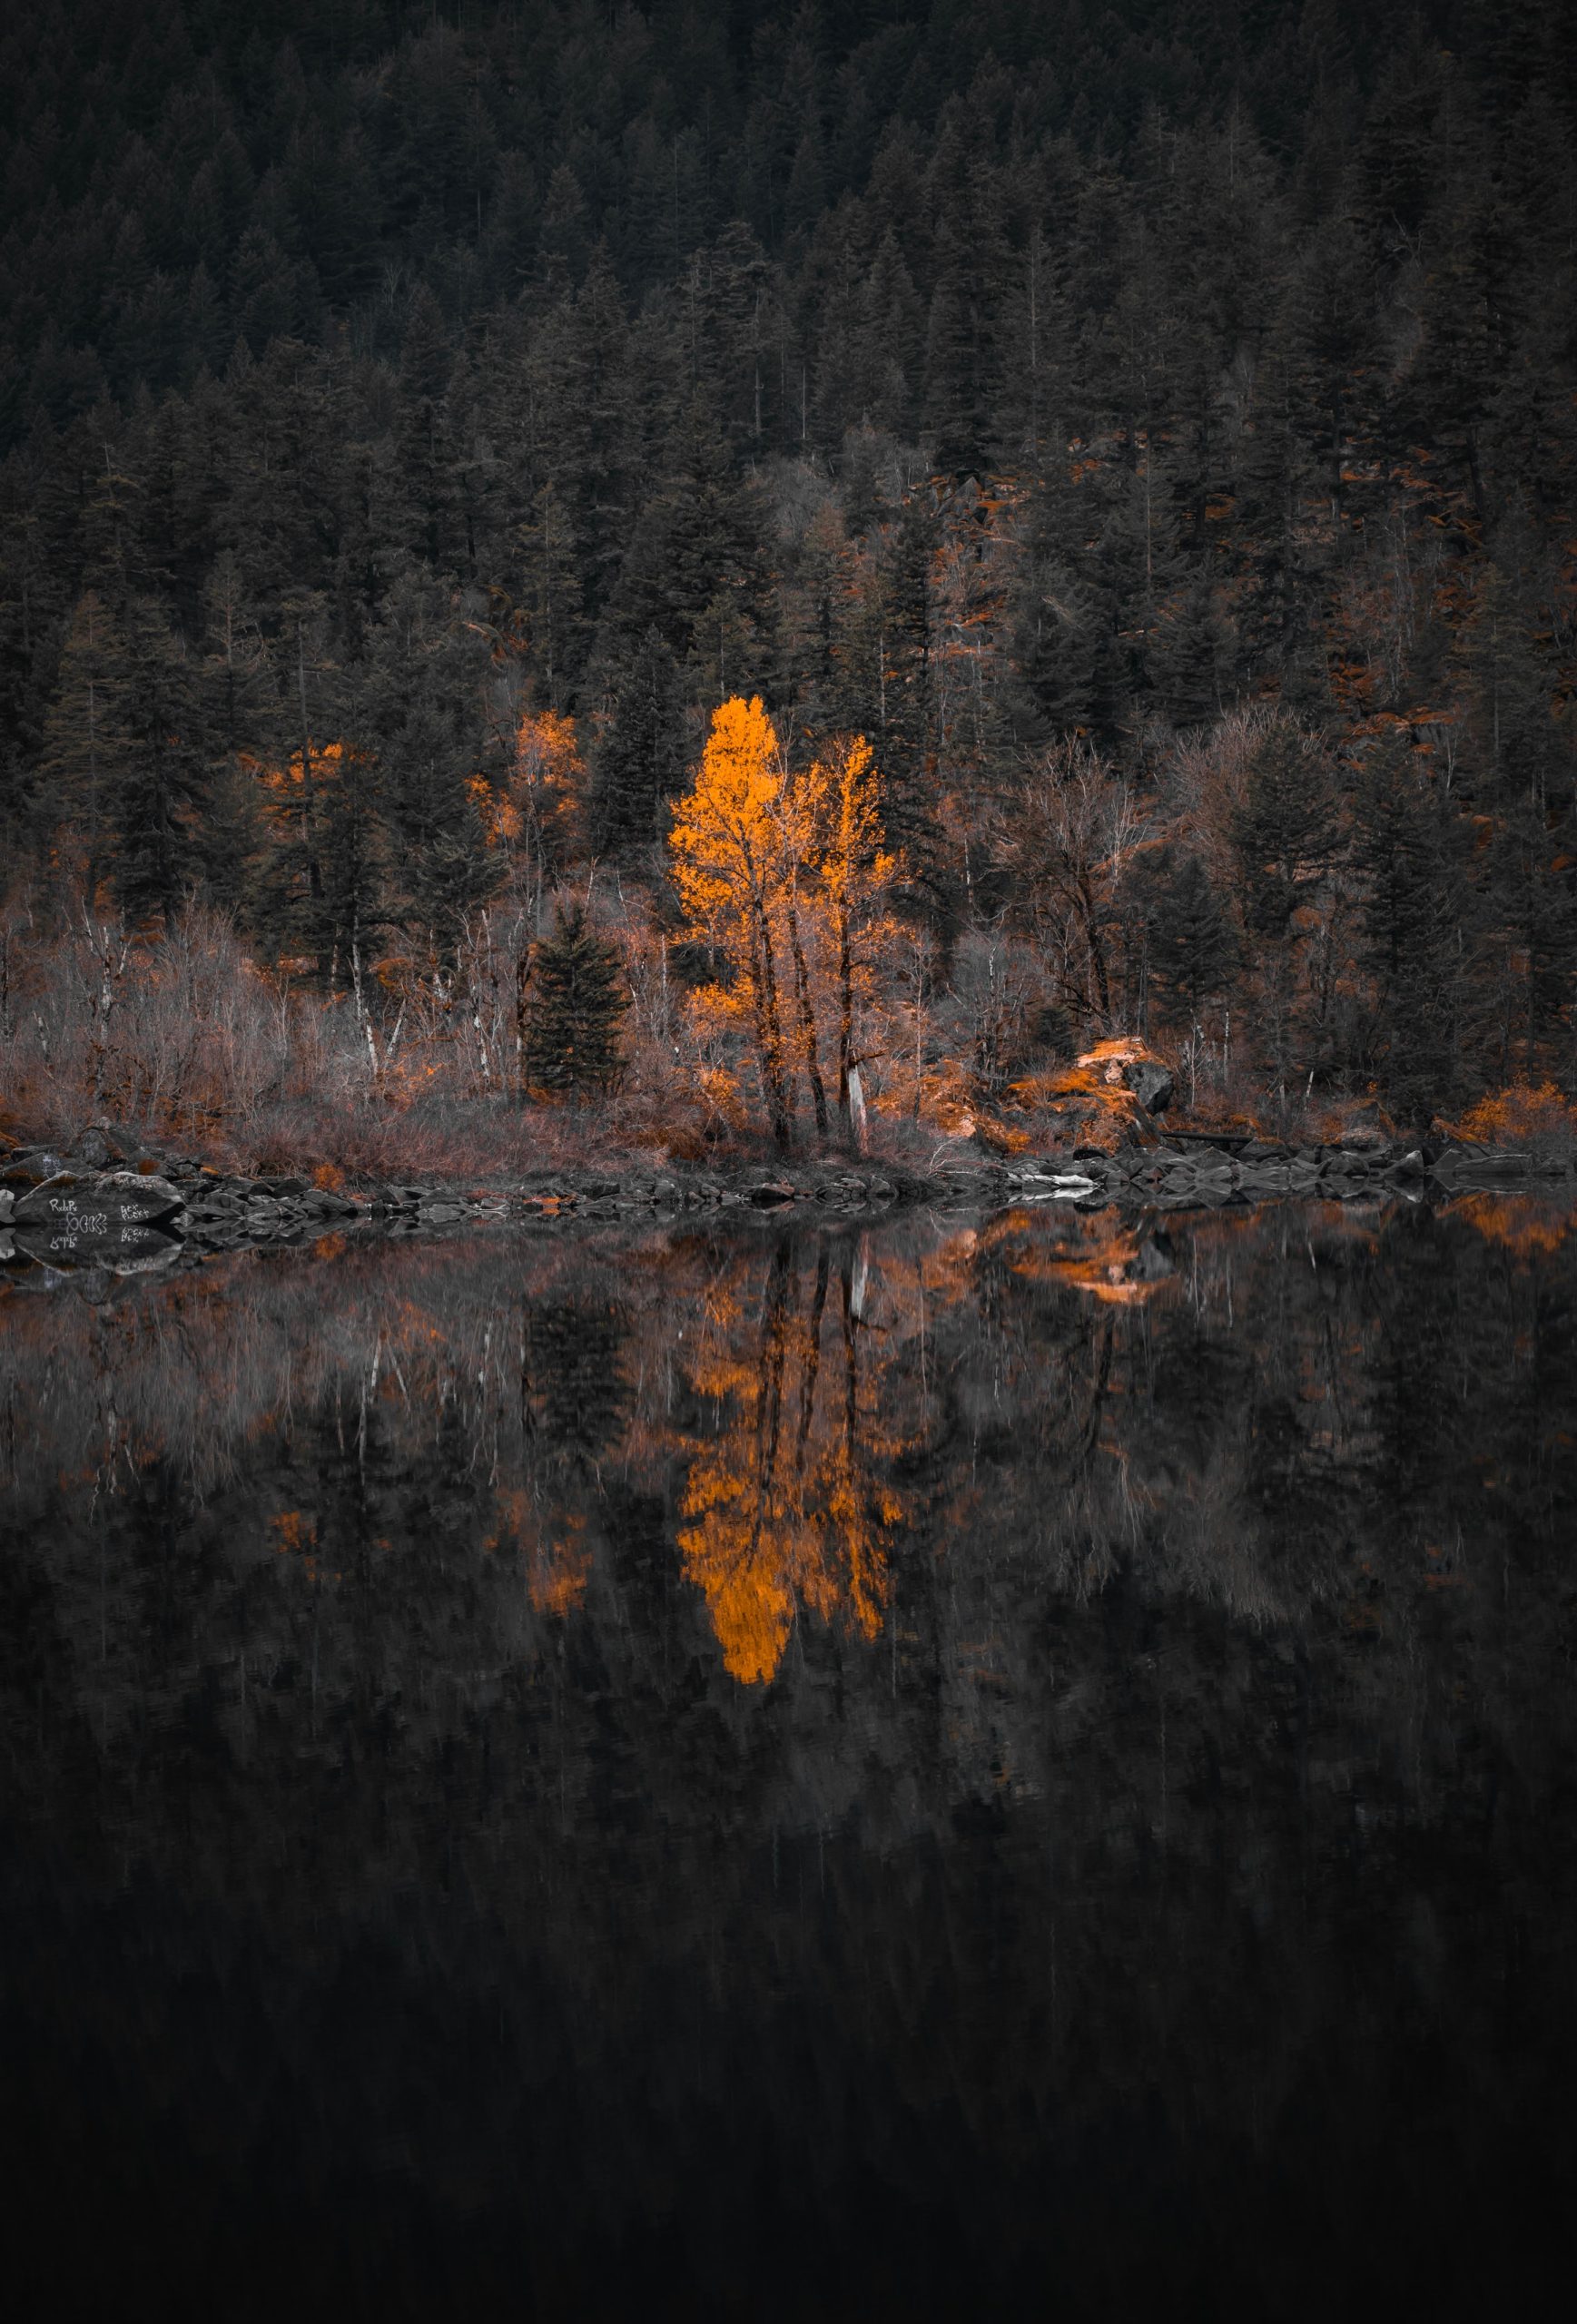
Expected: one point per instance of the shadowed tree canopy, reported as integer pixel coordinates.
(1011, 384)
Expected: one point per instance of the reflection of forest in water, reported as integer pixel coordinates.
(1001, 1744)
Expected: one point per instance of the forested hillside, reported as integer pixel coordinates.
(1153, 427)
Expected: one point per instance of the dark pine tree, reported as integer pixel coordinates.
(639, 758)
(1410, 921)
(575, 1005)
(1285, 831)
(1193, 947)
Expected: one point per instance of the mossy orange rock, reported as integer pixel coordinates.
(1108, 1097)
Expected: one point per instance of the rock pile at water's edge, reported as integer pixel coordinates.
(69, 1211)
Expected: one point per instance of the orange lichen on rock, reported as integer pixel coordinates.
(1118, 1266)
(1106, 1099)
(1000, 1137)
(1109, 1058)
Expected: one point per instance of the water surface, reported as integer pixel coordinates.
(783, 1771)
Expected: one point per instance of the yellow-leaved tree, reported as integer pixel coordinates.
(783, 873)
(727, 854)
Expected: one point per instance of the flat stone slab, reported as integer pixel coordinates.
(1066, 1186)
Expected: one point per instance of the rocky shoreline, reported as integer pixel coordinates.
(110, 1205)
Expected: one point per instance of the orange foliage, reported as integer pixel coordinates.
(532, 810)
(558, 1575)
(724, 849)
(780, 1507)
(1540, 1119)
(1109, 1262)
(1520, 1224)
(327, 762)
(782, 872)
(557, 1562)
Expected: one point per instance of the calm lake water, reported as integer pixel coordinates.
(1019, 1767)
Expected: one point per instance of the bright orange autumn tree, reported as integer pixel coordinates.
(728, 853)
(773, 867)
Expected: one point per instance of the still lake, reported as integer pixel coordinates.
(796, 1769)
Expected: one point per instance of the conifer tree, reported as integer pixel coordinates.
(1286, 837)
(1533, 937)
(855, 868)
(574, 1005)
(638, 757)
(1193, 947)
(696, 565)
(123, 763)
(903, 729)
(159, 787)
(1285, 832)
(1409, 921)
(413, 711)
(82, 739)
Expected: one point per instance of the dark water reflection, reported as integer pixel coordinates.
(784, 1774)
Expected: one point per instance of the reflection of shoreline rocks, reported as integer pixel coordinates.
(68, 1212)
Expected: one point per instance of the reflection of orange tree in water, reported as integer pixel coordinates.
(783, 1507)
(553, 1542)
(1525, 1225)
(789, 1504)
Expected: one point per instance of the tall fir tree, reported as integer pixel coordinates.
(1412, 939)
(124, 763)
(1285, 831)
(574, 1005)
(639, 756)
(1193, 946)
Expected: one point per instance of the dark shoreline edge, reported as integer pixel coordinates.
(69, 1214)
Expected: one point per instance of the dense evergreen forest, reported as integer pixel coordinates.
(1153, 426)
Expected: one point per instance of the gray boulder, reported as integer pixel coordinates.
(1151, 1083)
(96, 1206)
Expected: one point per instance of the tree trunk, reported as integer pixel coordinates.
(845, 1010)
(769, 1030)
(807, 1022)
(522, 979)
